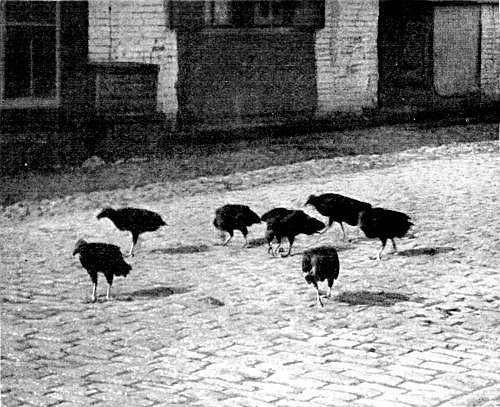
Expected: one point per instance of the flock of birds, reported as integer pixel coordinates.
(318, 264)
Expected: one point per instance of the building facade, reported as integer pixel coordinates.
(241, 61)
(226, 63)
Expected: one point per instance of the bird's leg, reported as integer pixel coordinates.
(131, 250)
(244, 232)
(318, 297)
(227, 240)
(109, 278)
(328, 226)
(324, 230)
(384, 241)
(94, 290)
(135, 238)
(276, 250)
(290, 244)
(329, 292)
(344, 236)
(395, 249)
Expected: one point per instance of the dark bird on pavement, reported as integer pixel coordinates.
(384, 224)
(134, 220)
(338, 208)
(101, 257)
(271, 217)
(290, 226)
(275, 214)
(232, 217)
(319, 264)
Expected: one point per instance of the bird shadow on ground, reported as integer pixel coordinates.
(260, 241)
(425, 251)
(182, 249)
(301, 252)
(155, 292)
(212, 301)
(381, 298)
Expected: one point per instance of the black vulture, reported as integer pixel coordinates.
(291, 225)
(384, 224)
(134, 220)
(338, 208)
(101, 257)
(271, 217)
(232, 217)
(321, 263)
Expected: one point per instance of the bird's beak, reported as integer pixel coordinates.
(75, 251)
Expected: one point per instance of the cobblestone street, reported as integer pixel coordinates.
(198, 324)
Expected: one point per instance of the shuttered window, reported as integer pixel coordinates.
(193, 15)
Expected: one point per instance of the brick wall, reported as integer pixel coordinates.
(346, 53)
(346, 49)
(490, 53)
(136, 31)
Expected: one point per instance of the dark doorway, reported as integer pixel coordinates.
(405, 54)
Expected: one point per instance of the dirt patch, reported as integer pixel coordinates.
(182, 162)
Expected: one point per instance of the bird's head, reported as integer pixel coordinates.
(310, 200)
(106, 213)
(79, 244)
(314, 226)
(309, 278)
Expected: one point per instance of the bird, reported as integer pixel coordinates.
(232, 217)
(290, 226)
(275, 214)
(318, 264)
(134, 220)
(338, 208)
(271, 217)
(384, 224)
(101, 257)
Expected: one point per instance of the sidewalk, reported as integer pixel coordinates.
(198, 324)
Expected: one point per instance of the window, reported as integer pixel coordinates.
(29, 44)
(241, 14)
(189, 15)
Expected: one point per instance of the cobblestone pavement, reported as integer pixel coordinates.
(199, 324)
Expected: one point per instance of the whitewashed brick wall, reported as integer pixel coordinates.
(346, 53)
(136, 31)
(490, 53)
